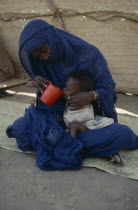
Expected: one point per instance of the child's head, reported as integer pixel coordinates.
(78, 81)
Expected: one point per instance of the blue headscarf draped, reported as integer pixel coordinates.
(67, 53)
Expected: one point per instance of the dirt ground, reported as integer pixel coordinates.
(23, 186)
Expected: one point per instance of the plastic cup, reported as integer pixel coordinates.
(51, 94)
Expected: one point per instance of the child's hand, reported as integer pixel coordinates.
(79, 100)
(40, 82)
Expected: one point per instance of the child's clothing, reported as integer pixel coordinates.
(85, 116)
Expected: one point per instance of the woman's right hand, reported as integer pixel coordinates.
(40, 82)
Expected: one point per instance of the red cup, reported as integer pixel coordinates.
(51, 94)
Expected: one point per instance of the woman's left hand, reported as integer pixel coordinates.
(79, 100)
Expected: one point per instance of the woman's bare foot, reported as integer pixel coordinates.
(75, 127)
(116, 158)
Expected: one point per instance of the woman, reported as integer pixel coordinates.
(48, 53)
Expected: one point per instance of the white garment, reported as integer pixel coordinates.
(85, 116)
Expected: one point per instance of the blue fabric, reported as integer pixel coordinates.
(40, 129)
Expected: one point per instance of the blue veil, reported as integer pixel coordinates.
(67, 53)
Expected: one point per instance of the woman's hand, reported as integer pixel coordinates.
(79, 100)
(40, 82)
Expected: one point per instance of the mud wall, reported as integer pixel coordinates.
(111, 25)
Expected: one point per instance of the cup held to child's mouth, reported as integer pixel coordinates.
(50, 94)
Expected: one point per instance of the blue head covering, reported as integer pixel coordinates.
(67, 53)
(38, 33)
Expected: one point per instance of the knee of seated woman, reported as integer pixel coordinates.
(126, 132)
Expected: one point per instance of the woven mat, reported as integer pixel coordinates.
(15, 110)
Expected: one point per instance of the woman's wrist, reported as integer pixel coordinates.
(93, 95)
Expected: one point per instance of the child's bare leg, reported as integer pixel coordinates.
(73, 130)
(75, 127)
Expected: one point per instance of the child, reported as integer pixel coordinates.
(83, 118)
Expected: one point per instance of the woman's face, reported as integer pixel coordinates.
(43, 52)
(72, 87)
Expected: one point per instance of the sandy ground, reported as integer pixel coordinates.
(23, 186)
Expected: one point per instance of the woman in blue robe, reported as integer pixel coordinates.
(40, 129)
